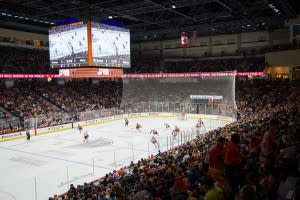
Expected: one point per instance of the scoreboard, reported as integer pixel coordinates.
(70, 46)
(110, 46)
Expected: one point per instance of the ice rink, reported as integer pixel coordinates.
(47, 164)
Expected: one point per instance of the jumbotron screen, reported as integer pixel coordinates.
(68, 46)
(110, 46)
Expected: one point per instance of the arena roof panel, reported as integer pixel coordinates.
(156, 19)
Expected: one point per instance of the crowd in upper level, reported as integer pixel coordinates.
(24, 60)
(36, 61)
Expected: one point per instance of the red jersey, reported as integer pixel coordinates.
(216, 157)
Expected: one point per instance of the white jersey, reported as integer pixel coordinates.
(153, 132)
(153, 139)
(154, 136)
(86, 135)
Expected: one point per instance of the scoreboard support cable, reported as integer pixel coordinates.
(89, 36)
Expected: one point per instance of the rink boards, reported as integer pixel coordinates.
(68, 126)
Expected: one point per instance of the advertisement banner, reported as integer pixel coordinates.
(11, 135)
(206, 97)
(118, 73)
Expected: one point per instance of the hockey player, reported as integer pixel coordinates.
(138, 127)
(176, 129)
(200, 121)
(175, 133)
(126, 122)
(199, 125)
(85, 137)
(154, 132)
(27, 134)
(166, 125)
(79, 128)
(154, 140)
(198, 128)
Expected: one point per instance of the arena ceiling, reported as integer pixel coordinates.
(153, 19)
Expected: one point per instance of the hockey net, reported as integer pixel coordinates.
(211, 95)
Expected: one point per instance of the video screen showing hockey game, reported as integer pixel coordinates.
(110, 46)
(68, 46)
(199, 95)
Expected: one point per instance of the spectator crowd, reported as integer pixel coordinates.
(252, 158)
(256, 157)
(29, 60)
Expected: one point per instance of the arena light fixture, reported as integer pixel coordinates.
(3, 14)
(110, 17)
(274, 8)
(173, 6)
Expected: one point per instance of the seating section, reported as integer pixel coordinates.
(259, 150)
(268, 114)
(248, 159)
(24, 60)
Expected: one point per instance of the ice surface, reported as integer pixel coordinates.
(47, 164)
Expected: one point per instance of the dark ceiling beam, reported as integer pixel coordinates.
(218, 27)
(24, 27)
(139, 8)
(14, 8)
(173, 11)
(287, 8)
(224, 5)
(203, 18)
(60, 11)
(242, 9)
(141, 19)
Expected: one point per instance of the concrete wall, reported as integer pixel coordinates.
(283, 58)
(22, 35)
(217, 45)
